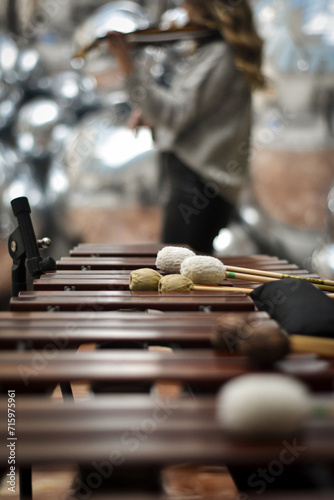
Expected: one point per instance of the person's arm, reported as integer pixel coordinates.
(137, 120)
(199, 93)
(177, 107)
(119, 48)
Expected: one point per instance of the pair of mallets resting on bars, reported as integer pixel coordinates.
(187, 271)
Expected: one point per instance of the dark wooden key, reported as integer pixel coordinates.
(130, 263)
(176, 431)
(32, 371)
(119, 300)
(111, 319)
(171, 330)
(116, 250)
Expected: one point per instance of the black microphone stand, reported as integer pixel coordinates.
(24, 248)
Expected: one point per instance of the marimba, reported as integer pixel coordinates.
(86, 299)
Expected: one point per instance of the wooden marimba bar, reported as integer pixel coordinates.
(110, 435)
(87, 299)
(202, 370)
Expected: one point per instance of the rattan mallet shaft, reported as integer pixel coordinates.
(266, 276)
(322, 346)
(209, 288)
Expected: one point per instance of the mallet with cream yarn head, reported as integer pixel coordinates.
(267, 406)
(146, 279)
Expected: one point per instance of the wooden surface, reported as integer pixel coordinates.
(208, 370)
(177, 431)
(64, 332)
(286, 495)
(117, 250)
(109, 301)
(130, 263)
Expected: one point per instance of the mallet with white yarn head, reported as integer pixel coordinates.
(210, 270)
(170, 258)
(203, 270)
(200, 269)
(206, 270)
(265, 406)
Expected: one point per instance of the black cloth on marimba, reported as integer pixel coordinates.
(299, 306)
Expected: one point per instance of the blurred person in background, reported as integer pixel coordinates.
(202, 122)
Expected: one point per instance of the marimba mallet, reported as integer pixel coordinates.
(146, 279)
(207, 270)
(265, 406)
(263, 341)
(182, 283)
(271, 274)
(169, 258)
